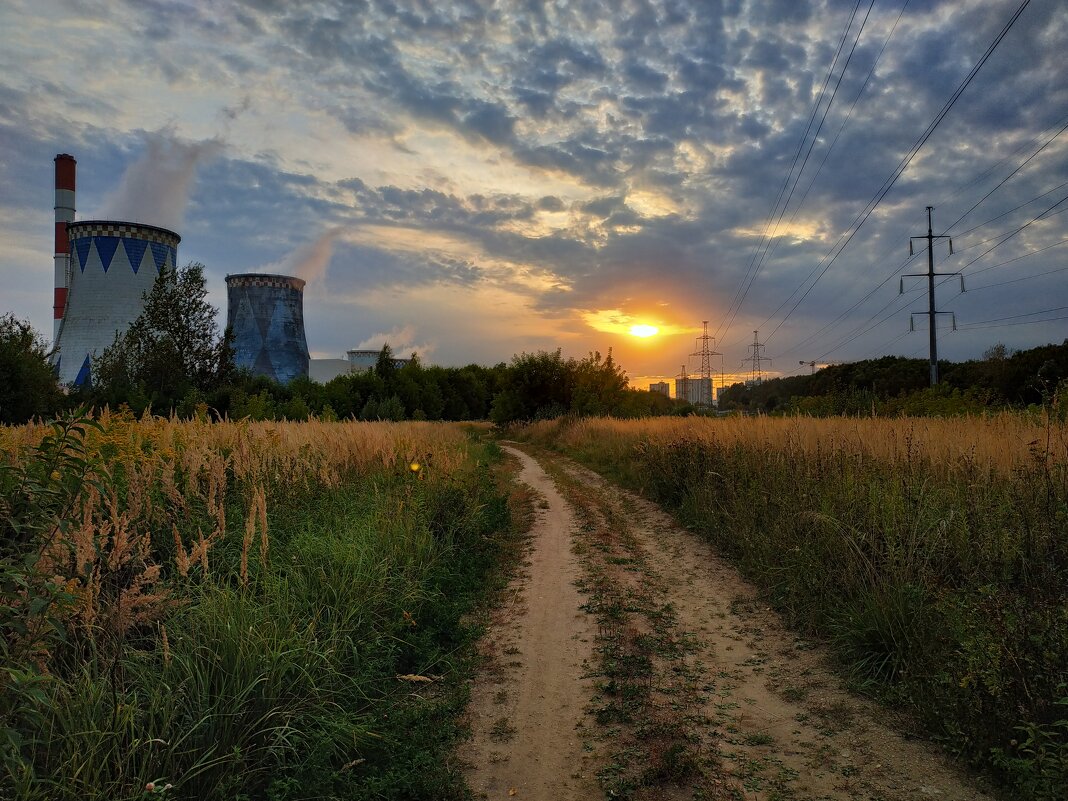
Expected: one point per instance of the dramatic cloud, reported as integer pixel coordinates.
(515, 175)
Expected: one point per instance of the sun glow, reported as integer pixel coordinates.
(643, 331)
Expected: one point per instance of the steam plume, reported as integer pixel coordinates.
(309, 261)
(155, 189)
(401, 341)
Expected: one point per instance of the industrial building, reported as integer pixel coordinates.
(661, 387)
(103, 268)
(357, 361)
(265, 313)
(360, 361)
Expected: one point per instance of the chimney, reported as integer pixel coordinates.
(66, 167)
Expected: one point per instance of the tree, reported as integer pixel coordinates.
(28, 385)
(599, 386)
(535, 386)
(385, 367)
(172, 348)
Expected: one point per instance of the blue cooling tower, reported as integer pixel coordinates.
(266, 315)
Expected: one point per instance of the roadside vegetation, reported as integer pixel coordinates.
(931, 554)
(240, 610)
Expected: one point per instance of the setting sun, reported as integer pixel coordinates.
(643, 330)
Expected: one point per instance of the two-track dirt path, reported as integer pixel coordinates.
(764, 716)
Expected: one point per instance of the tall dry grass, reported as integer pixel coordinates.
(998, 443)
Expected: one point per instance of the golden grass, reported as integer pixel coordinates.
(172, 477)
(998, 443)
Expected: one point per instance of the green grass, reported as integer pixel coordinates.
(286, 688)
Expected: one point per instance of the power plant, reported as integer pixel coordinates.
(265, 313)
(103, 268)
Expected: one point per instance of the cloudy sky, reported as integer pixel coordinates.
(478, 178)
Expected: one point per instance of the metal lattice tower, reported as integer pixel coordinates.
(706, 352)
(756, 372)
(930, 275)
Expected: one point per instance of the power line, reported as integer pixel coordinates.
(834, 323)
(750, 274)
(1012, 234)
(1003, 214)
(986, 323)
(1018, 280)
(1017, 316)
(857, 332)
(1004, 180)
(770, 247)
(859, 221)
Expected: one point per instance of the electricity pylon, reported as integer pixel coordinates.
(930, 275)
(756, 373)
(706, 353)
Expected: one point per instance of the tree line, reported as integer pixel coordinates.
(175, 359)
(893, 385)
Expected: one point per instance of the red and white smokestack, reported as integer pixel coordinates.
(66, 167)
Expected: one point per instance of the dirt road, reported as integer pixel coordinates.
(631, 661)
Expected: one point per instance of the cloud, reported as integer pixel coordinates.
(565, 158)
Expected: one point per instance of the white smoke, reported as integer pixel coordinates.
(401, 341)
(309, 261)
(155, 189)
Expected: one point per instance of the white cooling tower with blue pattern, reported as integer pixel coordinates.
(112, 266)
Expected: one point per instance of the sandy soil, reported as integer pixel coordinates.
(779, 722)
(779, 717)
(529, 704)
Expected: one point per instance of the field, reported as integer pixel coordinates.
(932, 555)
(245, 610)
(240, 610)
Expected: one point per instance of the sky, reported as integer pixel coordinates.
(475, 179)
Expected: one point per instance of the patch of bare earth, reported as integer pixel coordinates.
(772, 719)
(528, 705)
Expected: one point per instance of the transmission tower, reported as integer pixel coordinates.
(706, 352)
(930, 275)
(756, 372)
(811, 364)
(682, 385)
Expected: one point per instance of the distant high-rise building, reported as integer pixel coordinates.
(697, 391)
(662, 387)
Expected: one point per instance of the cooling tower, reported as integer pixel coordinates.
(110, 267)
(266, 315)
